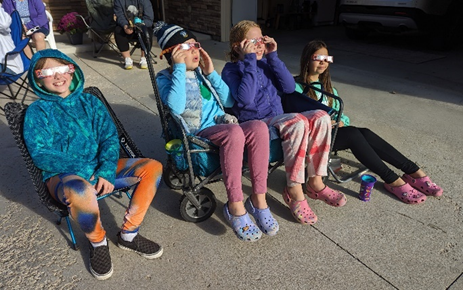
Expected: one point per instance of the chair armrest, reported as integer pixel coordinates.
(18, 49)
(320, 90)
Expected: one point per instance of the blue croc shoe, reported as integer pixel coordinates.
(263, 217)
(242, 225)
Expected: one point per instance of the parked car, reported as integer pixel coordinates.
(442, 19)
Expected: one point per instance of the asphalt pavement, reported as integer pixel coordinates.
(396, 86)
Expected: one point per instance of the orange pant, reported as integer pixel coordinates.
(80, 195)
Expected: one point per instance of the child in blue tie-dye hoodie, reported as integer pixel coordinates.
(72, 138)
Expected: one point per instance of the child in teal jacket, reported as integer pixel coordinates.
(367, 147)
(72, 138)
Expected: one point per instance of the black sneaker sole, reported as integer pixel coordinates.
(147, 256)
(101, 276)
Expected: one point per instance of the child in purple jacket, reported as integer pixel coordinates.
(254, 83)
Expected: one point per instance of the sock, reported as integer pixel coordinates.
(129, 236)
(104, 242)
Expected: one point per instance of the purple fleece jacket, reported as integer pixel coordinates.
(36, 10)
(255, 85)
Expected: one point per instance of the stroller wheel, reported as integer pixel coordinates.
(207, 205)
(173, 178)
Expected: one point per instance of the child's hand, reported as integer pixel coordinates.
(247, 47)
(341, 123)
(103, 186)
(206, 62)
(270, 44)
(178, 55)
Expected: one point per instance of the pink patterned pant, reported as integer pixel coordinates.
(306, 139)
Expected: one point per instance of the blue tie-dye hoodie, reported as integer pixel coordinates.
(74, 135)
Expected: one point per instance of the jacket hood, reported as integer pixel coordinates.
(77, 83)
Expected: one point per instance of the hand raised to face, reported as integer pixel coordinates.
(270, 44)
(178, 55)
(206, 62)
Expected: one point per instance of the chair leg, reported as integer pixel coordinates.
(153, 57)
(96, 51)
(349, 177)
(71, 233)
(133, 49)
(12, 94)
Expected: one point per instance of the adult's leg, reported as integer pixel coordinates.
(122, 41)
(81, 199)
(149, 172)
(39, 40)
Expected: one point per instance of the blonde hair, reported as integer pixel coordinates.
(237, 34)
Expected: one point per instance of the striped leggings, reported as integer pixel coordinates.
(80, 196)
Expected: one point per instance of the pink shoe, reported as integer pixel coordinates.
(406, 193)
(328, 195)
(423, 184)
(300, 209)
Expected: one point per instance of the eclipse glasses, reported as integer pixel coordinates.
(322, 57)
(184, 46)
(48, 72)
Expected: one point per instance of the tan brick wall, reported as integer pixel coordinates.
(198, 15)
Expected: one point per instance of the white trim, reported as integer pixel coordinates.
(168, 35)
(225, 20)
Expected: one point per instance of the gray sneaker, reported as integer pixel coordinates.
(141, 246)
(100, 262)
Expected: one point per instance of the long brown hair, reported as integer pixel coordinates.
(237, 34)
(324, 78)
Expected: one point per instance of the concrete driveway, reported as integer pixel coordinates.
(409, 95)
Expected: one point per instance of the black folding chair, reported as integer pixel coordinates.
(15, 113)
(100, 24)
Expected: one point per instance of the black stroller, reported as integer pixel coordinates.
(193, 162)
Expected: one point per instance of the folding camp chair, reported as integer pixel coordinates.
(101, 25)
(51, 36)
(15, 113)
(297, 102)
(16, 83)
